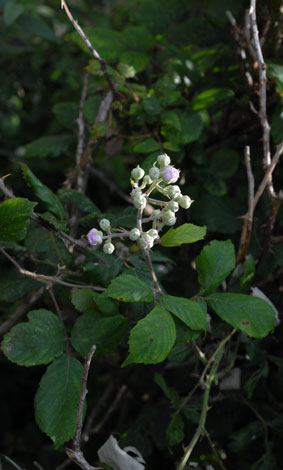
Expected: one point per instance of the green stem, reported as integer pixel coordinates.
(215, 360)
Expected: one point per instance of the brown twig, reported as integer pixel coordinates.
(48, 280)
(87, 42)
(24, 307)
(75, 452)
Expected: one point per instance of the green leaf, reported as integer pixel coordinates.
(38, 341)
(169, 392)
(128, 288)
(105, 332)
(99, 129)
(174, 432)
(191, 127)
(147, 146)
(138, 38)
(224, 163)
(216, 187)
(249, 314)
(50, 146)
(43, 193)
(80, 200)
(53, 220)
(220, 215)
(152, 106)
(86, 300)
(186, 233)
(275, 70)
(215, 262)
(152, 338)
(109, 43)
(34, 26)
(66, 114)
(16, 288)
(137, 60)
(126, 70)
(188, 311)
(240, 440)
(12, 11)
(101, 268)
(171, 119)
(210, 97)
(57, 398)
(14, 216)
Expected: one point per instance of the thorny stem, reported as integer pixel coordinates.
(75, 452)
(78, 433)
(214, 363)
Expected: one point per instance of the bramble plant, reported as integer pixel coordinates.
(151, 271)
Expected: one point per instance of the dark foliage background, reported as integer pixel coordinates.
(181, 90)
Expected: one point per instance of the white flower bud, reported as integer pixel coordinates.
(139, 202)
(137, 173)
(146, 241)
(147, 179)
(168, 218)
(173, 206)
(156, 213)
(154, 173)
(104, 224)
(108, 248)
(185, 202)
(136, 192)
(163, 160)
(173, 191)
(134, 234)
(153, 233)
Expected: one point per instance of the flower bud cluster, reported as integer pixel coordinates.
(161, 177)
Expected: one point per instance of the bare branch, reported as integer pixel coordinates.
(87, 42)
(48, 280)
(268, 174)
(262, 95)
(24, 307)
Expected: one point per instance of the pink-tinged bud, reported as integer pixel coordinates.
(94, 236)
(170, 174)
